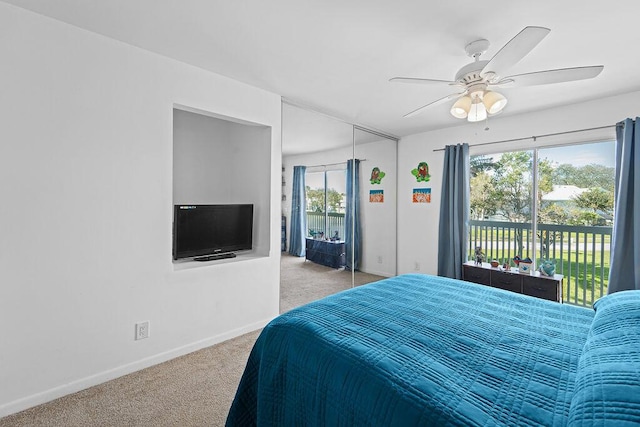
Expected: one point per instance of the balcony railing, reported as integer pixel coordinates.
(334, 222)
(581, 253)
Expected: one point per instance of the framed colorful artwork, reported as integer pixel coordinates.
(376, 196)
(421, 195)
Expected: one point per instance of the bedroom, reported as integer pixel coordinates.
(87, 171)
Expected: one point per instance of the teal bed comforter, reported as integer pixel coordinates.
(417, 350)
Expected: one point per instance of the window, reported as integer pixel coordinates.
(325, 195)
(572, 207)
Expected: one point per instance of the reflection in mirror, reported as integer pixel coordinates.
(337, 232)
(376, 158)
(315, 150)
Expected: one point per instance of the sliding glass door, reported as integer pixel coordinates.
(553, 205)
(326, 201)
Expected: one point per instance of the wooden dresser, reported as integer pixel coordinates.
(534, 284)
(326, 252)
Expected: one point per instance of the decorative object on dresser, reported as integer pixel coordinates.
(479, 255)
(326, 252)
(533, 284)
(524, 266)
(547, 267)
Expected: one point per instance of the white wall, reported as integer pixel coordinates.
(86, 190)
(418, 223)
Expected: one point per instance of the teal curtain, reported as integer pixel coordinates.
(454, 211)
(353, 235)
(624, 273)
(298, 213)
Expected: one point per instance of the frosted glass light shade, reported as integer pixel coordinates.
(461, 108)
(477, 112)
(494, 102)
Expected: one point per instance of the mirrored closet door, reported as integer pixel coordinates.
(338, 228)
(376, 172)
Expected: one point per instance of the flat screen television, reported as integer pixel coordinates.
(215, 231)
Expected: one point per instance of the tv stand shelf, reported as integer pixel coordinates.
(186, 264)
(214, 257)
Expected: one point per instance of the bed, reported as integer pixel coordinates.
(418, 350)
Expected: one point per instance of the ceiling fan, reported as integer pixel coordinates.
(475, 81)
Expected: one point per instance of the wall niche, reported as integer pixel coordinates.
(221, 160)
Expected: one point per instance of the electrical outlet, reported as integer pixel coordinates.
(142, 330)
(379, 259)
(417, 266)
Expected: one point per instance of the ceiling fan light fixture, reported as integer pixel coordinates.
(494, 102)
(476, 77)
(461, 108)
(478, 112)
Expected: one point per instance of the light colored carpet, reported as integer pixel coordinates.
(193, 390)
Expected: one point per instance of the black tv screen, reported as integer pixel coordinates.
(211, 229)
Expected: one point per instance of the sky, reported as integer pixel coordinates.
(602, 153)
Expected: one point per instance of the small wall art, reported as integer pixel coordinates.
(376, 196)
(421, 172)
(376, 175)
(421, 195)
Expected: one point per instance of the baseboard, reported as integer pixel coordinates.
(375, 272)
(93, 380)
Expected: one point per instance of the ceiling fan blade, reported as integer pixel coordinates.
(419, 81)
(436, 102)
(555, 76)
(516, 49)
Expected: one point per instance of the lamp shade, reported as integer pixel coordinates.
(494, 102)
(477, 112)
(461, 108)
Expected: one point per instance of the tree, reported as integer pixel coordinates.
(335, 200)
(512, 184)
(592, 175)
(480, 164)
(579, 217)
(482, 197)
(598, 201)
(550, 213)
(545, 185)
(315, 200)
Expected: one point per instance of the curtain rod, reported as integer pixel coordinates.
(536, 136)
(333, 164)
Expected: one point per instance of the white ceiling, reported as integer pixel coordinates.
(337, 56)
